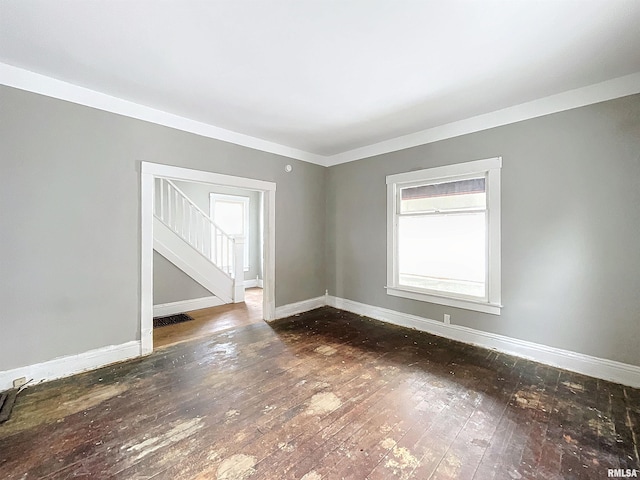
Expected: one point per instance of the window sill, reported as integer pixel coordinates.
(478, 306)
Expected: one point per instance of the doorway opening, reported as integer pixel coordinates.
(263, 260)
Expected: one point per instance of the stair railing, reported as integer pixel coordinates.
(179, 213)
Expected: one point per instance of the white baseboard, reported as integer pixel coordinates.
(164, 309)
(576, 362)
(71, 364)
(585, 364)
(300, 307)
(254, 282)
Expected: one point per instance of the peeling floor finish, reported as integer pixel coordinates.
(322, 403)
(321, 396)
(236, 467)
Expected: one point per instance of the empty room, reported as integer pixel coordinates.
(320, 240)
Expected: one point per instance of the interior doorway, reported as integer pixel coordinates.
(152, 171)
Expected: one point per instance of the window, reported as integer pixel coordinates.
(231, 214)
(443, 243)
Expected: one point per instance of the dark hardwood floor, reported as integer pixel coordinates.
(324, 395)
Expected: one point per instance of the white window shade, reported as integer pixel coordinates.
(444, 196)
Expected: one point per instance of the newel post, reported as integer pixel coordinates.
(238, 270)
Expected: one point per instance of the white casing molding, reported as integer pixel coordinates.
(300, 307)
(490, 170)
(173, 308)
(70, 365)
(610, 370)
(148, 172)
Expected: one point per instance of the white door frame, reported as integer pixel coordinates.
(151, 171)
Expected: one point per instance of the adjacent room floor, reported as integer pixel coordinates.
(324, 395)
(214, 319)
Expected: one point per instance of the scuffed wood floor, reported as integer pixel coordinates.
(325, 395)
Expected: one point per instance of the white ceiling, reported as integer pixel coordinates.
(324, 77)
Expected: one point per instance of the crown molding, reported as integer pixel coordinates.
(579, 97)
(41, 84)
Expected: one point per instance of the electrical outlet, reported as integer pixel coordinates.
(18, 382)
(447, 319)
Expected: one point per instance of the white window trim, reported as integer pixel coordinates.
(489, 167)
(245, 204)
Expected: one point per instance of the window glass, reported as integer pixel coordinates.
(446, 253)
(443, 235)
(229, 216)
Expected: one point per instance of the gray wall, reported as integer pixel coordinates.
(570, 228)
(170, 284)
(70, 216)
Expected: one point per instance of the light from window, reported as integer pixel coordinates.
(443, 246)
(230, 217)
(231, 214)
(441, 237)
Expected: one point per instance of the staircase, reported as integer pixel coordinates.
(186, 236)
